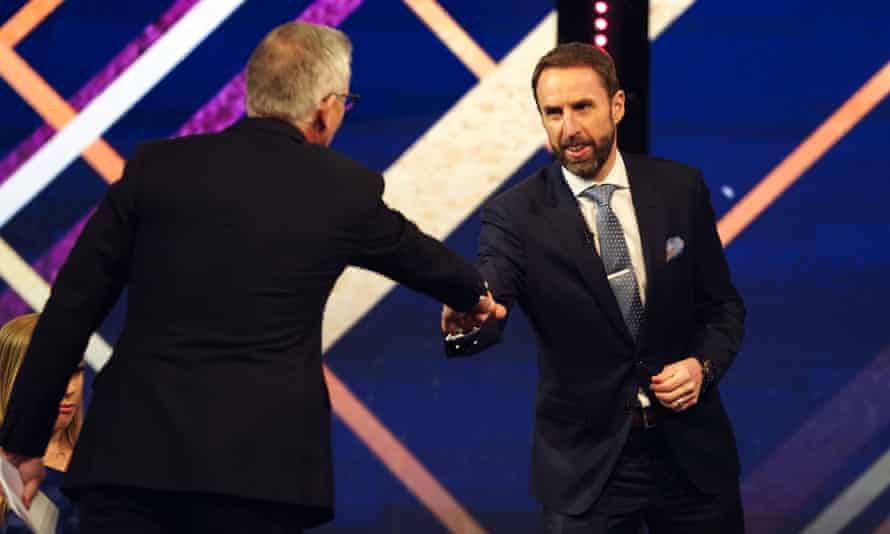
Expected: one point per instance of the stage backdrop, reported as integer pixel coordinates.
(783, 100)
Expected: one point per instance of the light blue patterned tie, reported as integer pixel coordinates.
(616, 258)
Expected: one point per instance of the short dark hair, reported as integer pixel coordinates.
(579, 55)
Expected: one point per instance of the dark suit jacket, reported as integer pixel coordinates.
(535, 251)
(229, 245)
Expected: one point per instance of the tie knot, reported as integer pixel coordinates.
(601, 194)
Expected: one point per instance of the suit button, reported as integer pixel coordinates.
(640, 363)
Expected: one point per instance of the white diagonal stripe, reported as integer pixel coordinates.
(22, 279)
(31, 287)
(88, 126)
(854, 500)
(108, 107)
(97, 353)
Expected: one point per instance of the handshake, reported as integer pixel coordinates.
(456, 323)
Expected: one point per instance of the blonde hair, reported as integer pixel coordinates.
(15, 336)
(294, 68)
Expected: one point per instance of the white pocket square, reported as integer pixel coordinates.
(674, 247)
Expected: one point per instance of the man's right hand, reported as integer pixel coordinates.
(454, 322)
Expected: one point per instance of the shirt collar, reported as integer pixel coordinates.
(617, 176)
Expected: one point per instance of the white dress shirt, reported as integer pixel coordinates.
(622, 206)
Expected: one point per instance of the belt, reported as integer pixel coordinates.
(642, 417)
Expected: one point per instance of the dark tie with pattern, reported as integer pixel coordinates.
(616, 258)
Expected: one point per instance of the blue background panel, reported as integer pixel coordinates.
(736, 86)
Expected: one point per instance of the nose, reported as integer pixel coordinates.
(570, 126)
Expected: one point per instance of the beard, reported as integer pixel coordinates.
(588, 167)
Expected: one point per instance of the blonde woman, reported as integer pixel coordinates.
(14, 338)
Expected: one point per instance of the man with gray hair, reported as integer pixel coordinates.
(212, 414)
(296, 67)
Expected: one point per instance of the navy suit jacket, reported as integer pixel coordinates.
(536, 252)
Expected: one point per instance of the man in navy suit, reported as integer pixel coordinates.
(629, 425)
(212, 414)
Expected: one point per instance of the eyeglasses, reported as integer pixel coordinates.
(349, 99)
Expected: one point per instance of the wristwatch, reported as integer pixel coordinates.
(707, 372)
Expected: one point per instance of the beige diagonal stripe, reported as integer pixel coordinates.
(482, 141)
(662, 13)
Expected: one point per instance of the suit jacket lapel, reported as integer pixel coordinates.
(571, 231)
(651, 222)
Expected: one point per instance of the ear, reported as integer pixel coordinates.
(618, 106)
(322, 120)
(314, 128)
(318, 124)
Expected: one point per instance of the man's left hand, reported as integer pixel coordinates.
(678, 385)
(32, 472)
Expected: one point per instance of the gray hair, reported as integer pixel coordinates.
(294, 68)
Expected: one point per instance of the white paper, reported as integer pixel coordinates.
(43, 515)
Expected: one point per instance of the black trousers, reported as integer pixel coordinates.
(107, 510)
(648, 489)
